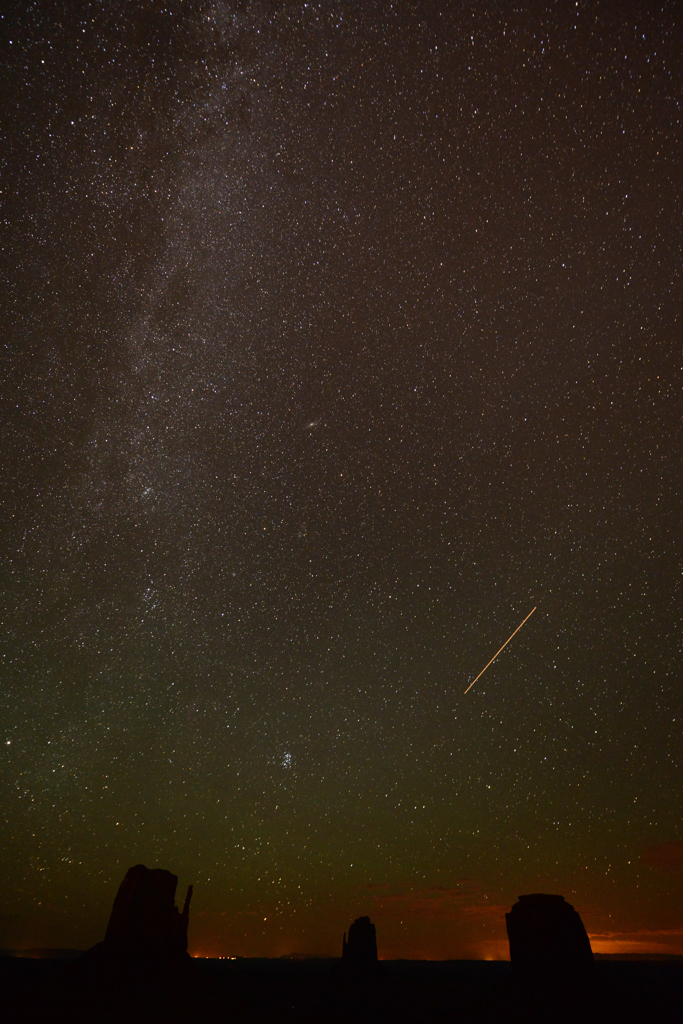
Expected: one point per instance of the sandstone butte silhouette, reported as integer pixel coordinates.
(361, 949)
(359, 964)
(548, 939)
(359, 989)
(145, 924)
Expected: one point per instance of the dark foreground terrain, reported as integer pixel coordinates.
(57, 991)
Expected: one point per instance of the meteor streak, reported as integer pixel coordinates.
(498, 652)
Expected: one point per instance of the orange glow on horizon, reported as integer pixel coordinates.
(661, 942)
(656, 942)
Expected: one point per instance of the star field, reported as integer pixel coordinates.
(336, 337)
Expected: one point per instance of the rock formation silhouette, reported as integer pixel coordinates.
(141, 973)
(145, 923)
(360, 993)
(361, 949)
(547, 938)
(145, 918)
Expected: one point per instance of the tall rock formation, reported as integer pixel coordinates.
(145, 922)
(361, 949)
(547, 938)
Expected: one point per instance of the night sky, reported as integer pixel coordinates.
(335, 337)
